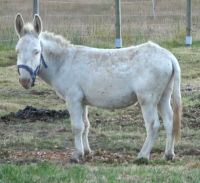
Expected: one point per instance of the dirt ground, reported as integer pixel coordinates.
(191, 120)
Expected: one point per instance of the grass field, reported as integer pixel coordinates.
(39, 150)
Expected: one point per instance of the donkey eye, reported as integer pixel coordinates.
(36, 52)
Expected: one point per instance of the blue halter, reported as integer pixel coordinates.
(32, 72)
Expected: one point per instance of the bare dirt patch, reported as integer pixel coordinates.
(64, 157)
(31, 114)
(99, 156)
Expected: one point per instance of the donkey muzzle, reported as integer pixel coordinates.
(26, 83)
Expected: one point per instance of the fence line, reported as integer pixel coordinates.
(93, 22)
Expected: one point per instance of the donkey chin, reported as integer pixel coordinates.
(26, 83)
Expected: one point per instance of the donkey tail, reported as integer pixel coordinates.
(177, 104)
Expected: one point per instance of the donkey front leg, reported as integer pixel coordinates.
(86, 145)
(76, 115)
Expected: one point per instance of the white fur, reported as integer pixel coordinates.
(107, 78)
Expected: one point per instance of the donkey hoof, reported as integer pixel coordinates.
(169, 157)
(88, 153)
(142, 161)
(76, 157)
(73, 160)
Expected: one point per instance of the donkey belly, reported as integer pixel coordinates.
(110, 96)
(106, 101)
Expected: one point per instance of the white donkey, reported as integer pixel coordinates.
(107, 78)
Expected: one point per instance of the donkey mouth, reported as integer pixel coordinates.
(26, 83)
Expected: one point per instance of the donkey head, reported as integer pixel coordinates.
(28, 49)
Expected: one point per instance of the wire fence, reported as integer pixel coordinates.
(92, 22)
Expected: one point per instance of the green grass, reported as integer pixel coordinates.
(45, 172)
(41, 172)
(8, 56)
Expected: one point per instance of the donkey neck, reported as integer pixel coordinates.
(56, 55)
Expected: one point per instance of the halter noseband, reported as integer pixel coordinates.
(32, 72)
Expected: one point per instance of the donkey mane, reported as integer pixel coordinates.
(28, 29)
(56, 45)
(58, 39)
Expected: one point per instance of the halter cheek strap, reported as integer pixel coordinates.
(32, 72)
(43, 61)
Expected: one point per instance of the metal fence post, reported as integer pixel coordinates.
(188, 39)
(118, 37)
(153, 8)
(35, 7)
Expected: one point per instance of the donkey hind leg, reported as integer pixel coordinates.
(166, 113)
(86, 145)
(76, 115)
(152, 124)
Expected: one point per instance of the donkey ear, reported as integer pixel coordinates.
(19, 24)
(37, 23)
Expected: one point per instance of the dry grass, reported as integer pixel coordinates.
(92, 22)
